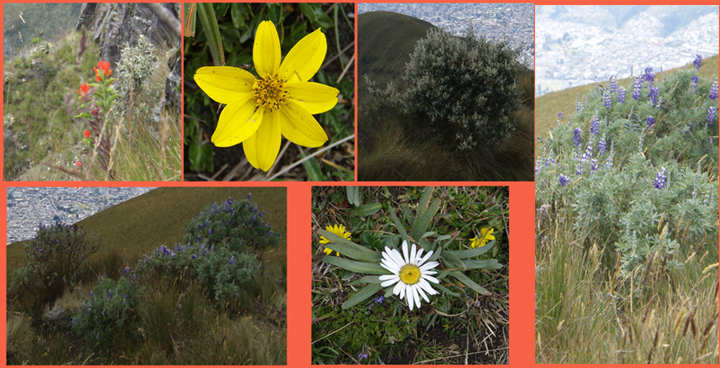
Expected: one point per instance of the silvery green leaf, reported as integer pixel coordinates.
(362, 295)
(349, 249)
(355, 266)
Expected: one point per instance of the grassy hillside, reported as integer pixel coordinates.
(159, 217)
(548, 106)
(385, 41)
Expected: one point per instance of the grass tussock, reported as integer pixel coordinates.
(588, 314)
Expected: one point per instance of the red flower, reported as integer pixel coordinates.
(103, 66)
(84, 88)
(87, 134)
(98, 78)
(79, 164)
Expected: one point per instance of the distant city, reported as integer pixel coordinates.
(511, 22)
(578, 45)
(27, 208)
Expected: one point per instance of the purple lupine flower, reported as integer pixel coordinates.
(224, 206)
(89, 310)
(232, 260)
(649, 75)
(231, 210)
(206, 223)
(262, 213)
(248, 197)
(602, 145)
(614, 85)
(607, 99)
(637, 85)
(126, 296)
(621, 95)
(714, 91)
(549, 161)
(579, 106)
(209, 231)
(110, 294)
(270, 233)
(653, 95)
(199, 227)
(660, 179)
(103, 312)
(563, 179)
(650, 121)
(125, 272)
(91, 294)
(560, 115)
(577, 140)
(194, 256)
(212, 212)
(72, 322)
(229, 222)
(697, 62)
(710, 115)
(255, 209)
(595, 125)
(578, 169)
(593, 166)
(198, 237)
(253, 218)
(694, 83)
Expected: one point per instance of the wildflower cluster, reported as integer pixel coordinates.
(658, 169)
(109, 312)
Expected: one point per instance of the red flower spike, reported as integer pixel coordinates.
(98, 78)
(105, 67)
(87, 134)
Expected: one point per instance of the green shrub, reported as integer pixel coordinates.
(54, 258)
(465, 87)
(110, 314)
(238, 225)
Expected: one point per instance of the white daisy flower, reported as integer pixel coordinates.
(410, 272)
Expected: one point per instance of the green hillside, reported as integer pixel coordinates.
(159, 217)
(385, 41)
(549, 105)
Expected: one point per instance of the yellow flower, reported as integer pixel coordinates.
(280, 103)
(338, 230)
(485, 237)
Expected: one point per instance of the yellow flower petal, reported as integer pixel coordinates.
(305, 58)
(224, 84)
(315, 98)
(238, 122)
(299, 127)
(262, 148)
(266, 50)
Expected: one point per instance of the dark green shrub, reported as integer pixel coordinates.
(465, 87)
(54, 258)
(108, 315)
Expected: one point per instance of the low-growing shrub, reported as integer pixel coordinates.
(464, 86)
(54, 258)
(108, 319)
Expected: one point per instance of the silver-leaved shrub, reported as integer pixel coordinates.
(635, 170)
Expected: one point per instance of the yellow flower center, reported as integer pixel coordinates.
(409, 274)
(270, 92)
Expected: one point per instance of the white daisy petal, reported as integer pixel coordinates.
(399, 289)
(429, 265)
(418, 257)
(410, 297)
(427, 287)
(413, 253)
(422, 293)
(405, 252)
(427, 256)
(415, 295)
(430, 279)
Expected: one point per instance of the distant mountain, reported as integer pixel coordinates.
(159, 217)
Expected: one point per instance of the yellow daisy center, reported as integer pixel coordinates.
(270, 92)
(409, 274)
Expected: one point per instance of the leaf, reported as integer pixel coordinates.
(421, 224)
(353, 196)
(464, 254)
(313, 169)
(407, 213)
(201, 157)
(355, 266)
(470, 283)
(308, 11)
(189, 11)
(366, 209)
(446, 290)
(362, 295)
(349, 249)
(485, 264)
(209, 24)
(398, 225)
(371, 279)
